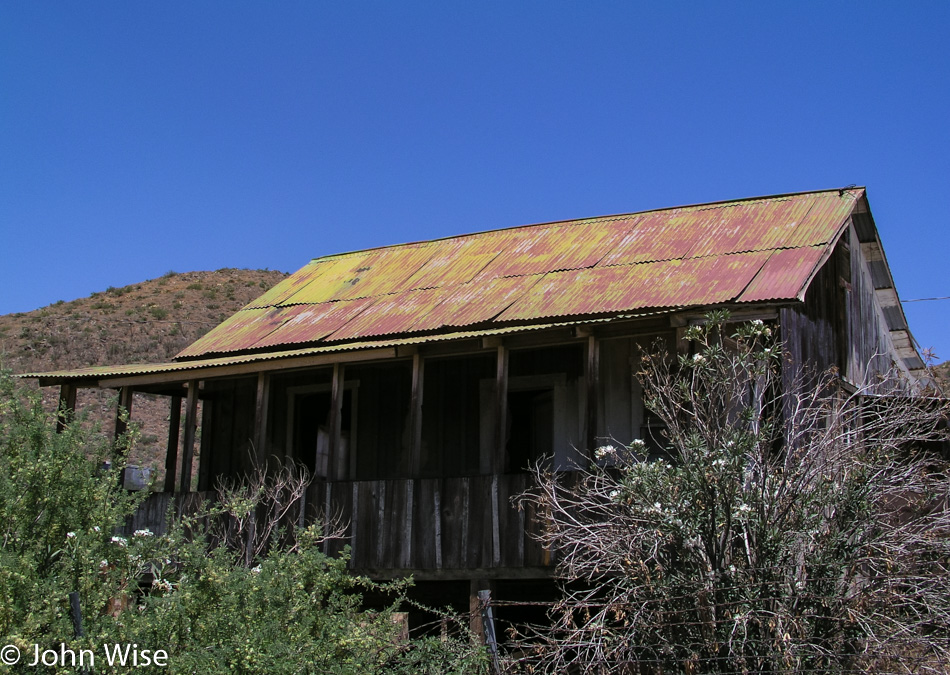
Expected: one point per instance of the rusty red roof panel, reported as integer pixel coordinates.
(476, 302)
(685, 256)
(309, 323)
(670, 283)
(537, 250)
(457, 260)
(239, 331)
(783, 275)
(390, 314)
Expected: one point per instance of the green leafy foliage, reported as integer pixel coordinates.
(289, 609)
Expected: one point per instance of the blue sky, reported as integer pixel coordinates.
(142, 137)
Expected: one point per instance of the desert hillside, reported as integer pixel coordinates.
(146, 322)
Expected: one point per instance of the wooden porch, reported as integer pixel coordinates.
(430, 527)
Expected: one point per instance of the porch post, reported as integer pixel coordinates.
(415, 415)
(592, 377)
(125, 403)
(171, 455)
(67, 406)
(191, 423)
(501, 410)
(337, 467)
(260, 418)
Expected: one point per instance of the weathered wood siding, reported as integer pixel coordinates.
(840, 324)
(422, 525)
(432, 523)
(870, 349)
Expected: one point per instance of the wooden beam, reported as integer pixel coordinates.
(66, 409)
(191, 425)
(251, 367)
(415, 415)
(124, 405)
(171, 454)
(592, 378)
(260, 418)
(501, 409)
(338, 464)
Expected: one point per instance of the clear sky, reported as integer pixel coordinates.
(142, 137)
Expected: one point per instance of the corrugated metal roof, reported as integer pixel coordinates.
(194, 368)
(747, 250)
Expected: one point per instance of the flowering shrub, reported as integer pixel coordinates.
(790, 527)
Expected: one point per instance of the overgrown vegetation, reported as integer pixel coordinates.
(283, 607)
(784, 528)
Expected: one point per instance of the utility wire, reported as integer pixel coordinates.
(946, 297)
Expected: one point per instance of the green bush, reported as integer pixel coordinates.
(288, 609)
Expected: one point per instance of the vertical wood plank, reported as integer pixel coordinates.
(67, 406)
(501, 411)
(191, 424)
(354, 521)
(260, 418)
(337, 463)
(437, 524)
(415, 415)
(125, 404)
(495, 526)
(407, 524)
(592, 379)
(171, 454)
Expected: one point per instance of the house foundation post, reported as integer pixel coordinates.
(191, 426)
(592, 378)
(171, 455)
(67, 406)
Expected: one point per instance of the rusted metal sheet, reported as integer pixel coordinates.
(541, 249)
(686, 256)
(390, 314)
(311, 323)
(783, 275)
(476, 302)
(670, 283)
(286, 288)
(239, 331)
(363, 275)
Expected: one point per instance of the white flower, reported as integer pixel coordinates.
(256, 569)
(614, 494)
(601, 453)
(121, 541)
(699, 358)
(70, 535)
(657, 506)
(95, 528)
(638, 444)
(144, 533)
(104, 563)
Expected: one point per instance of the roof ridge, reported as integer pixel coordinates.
(606, 218)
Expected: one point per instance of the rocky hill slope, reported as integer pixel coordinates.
(148, 322)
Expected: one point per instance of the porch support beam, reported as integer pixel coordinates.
(338, 464)
(124, 404)
(415, 415)
(260, 418)
(501, 411)
(66, 409)
(592, 378)
(191, 425)
(171, 455)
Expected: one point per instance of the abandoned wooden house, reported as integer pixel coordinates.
(417, 382)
